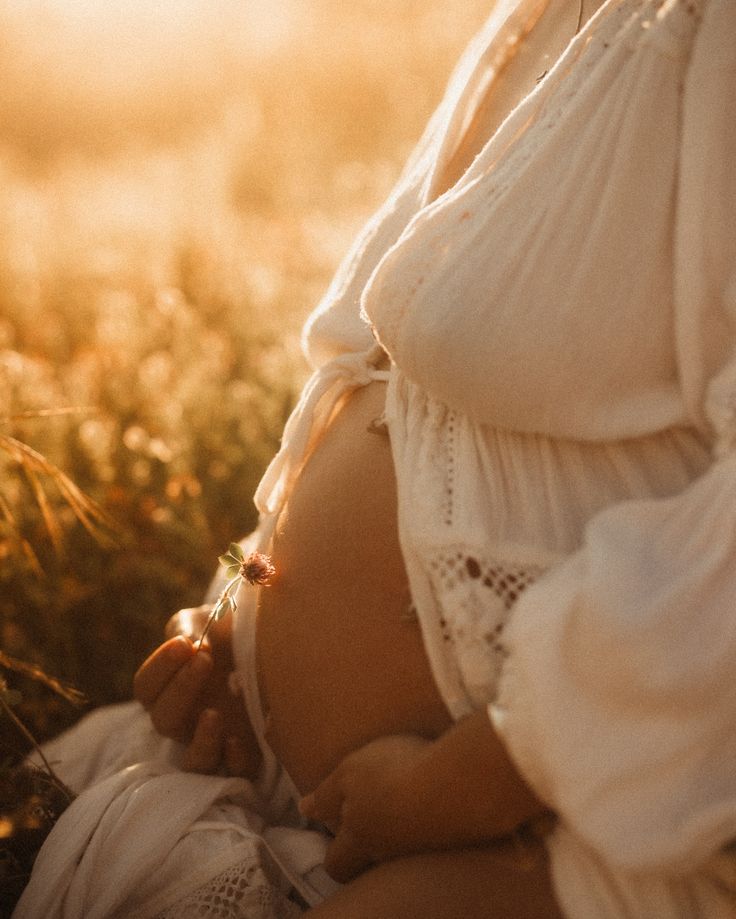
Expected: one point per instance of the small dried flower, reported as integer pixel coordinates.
(257, 569)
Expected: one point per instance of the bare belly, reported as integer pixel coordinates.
(339, 660)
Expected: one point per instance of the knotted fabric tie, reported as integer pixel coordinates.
(309, 420)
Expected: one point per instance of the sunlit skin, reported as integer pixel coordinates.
(352, 709)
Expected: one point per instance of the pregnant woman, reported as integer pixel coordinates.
(502, 515)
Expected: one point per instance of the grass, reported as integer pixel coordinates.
(172, 205)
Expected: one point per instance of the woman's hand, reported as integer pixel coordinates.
(187, 694)
(403, 795)
(369, 803)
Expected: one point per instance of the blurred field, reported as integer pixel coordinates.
(177, 182)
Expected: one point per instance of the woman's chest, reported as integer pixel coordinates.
(539, 294)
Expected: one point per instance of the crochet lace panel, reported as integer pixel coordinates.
(241, 891)
(474, 593)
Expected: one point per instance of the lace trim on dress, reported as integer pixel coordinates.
(241, 891)
(474, 593)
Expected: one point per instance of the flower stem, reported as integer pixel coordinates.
(205, 630)
(218, 609)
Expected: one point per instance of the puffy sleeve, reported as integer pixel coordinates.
(618, 698)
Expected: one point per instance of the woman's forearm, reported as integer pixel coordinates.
(469, 784)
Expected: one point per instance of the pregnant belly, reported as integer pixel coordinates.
(340, 658)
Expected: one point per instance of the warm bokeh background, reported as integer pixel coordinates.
(178, 180)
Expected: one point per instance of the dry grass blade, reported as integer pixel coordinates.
(25, 547)
(46, 413)
(92, 517)
(36, 673)
(7, 511)
(30, 738)
(32, 559)
(49, 518)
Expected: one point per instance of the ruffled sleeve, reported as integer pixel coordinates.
(618, 699)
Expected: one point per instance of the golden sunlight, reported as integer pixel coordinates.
(90, 73)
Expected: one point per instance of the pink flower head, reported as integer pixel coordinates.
(257, 569)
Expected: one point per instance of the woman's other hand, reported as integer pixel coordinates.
(369, 803)
(403, 795)
(187, 694)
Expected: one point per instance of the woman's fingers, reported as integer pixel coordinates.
(324, 804)
(238, 758)
(345, 859)
(209, 748)
(173, 710)
(158, 669)
(204, 752)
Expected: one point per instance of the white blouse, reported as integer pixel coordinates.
(562, 412)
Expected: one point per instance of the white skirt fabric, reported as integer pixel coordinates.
(144, 840)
